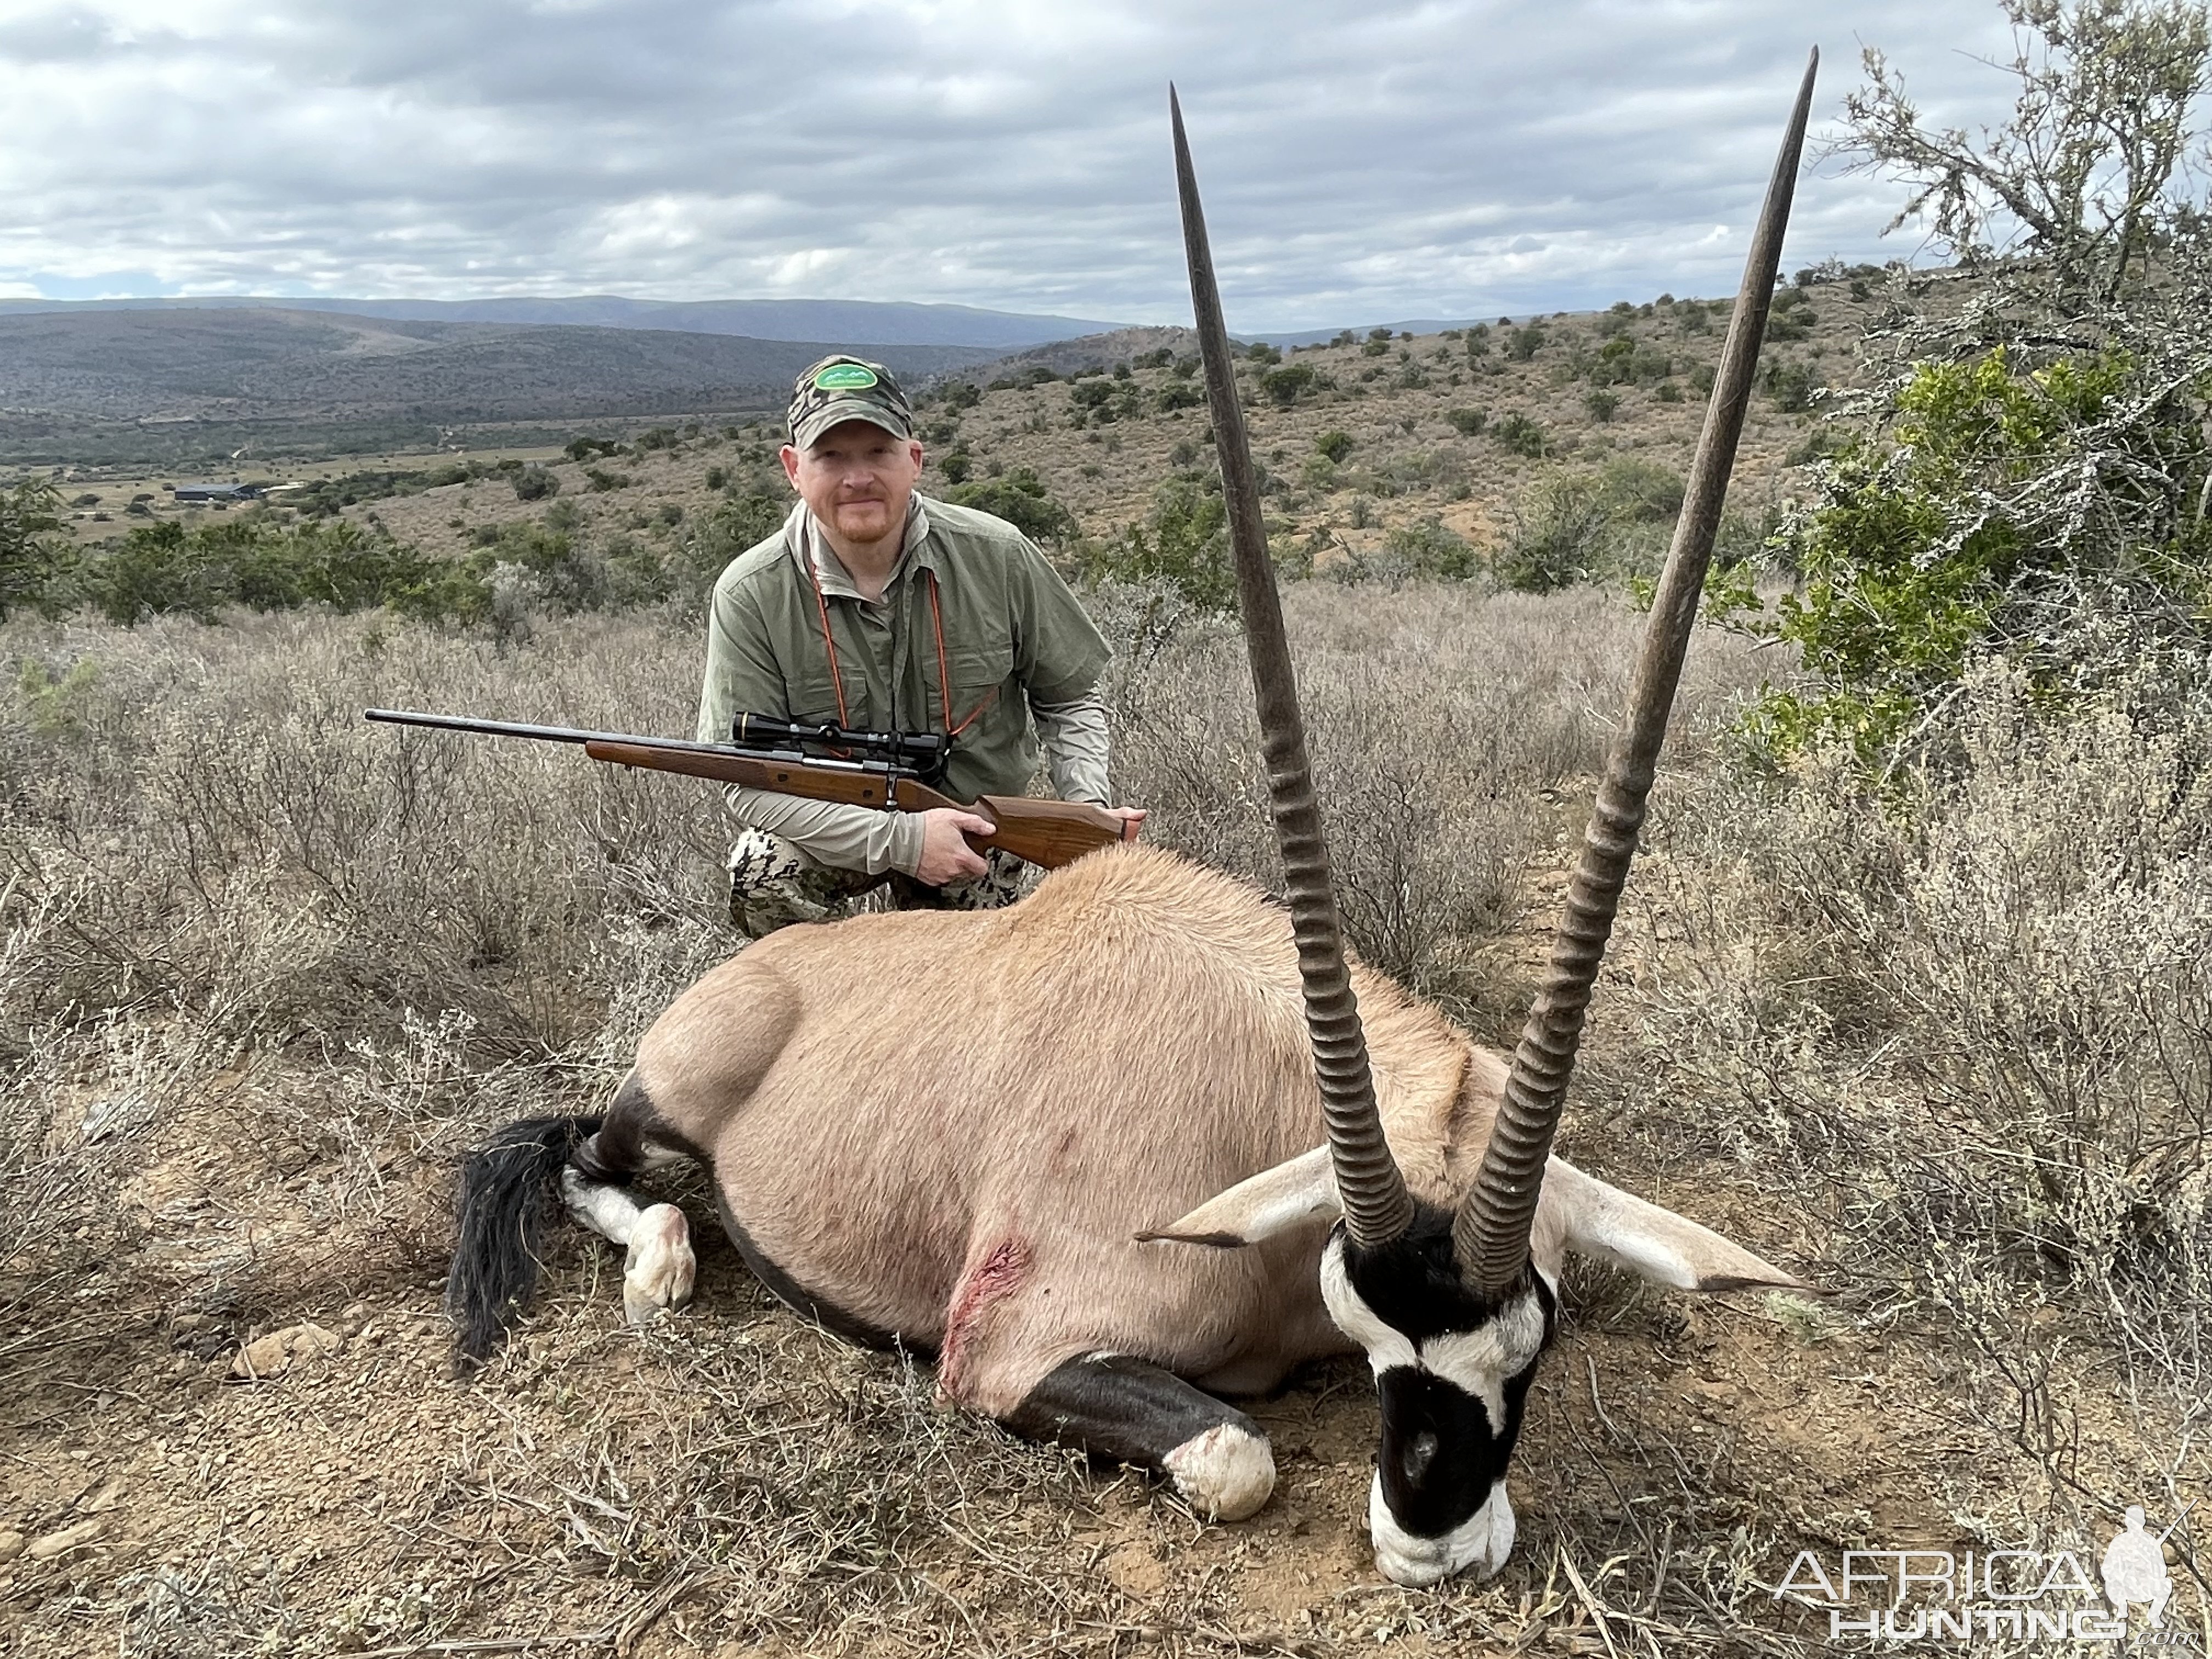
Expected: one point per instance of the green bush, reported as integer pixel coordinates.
(535, 484)
(1525, 343)
(1637, 491)
(1789, 383)
(1623, 361)
(1285, 385)
(2004, 510)
(510, 570)
(1020, 498)
(1183, 542)
(1467, 422)
(1522, 436)
(1423, 550)
(1602, 406)
(164, 569)
(1792, 316)
(1334, 445)
(33, 561)
(747, 522)
(1561, 535)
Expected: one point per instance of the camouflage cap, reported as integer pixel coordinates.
(843, 388)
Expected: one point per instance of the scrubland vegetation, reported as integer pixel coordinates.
(269, 970)
(1911, 992)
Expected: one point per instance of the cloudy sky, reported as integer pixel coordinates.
(1359, 162)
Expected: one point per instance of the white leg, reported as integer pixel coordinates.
(659, 1266)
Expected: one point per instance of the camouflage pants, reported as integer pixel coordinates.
(773, 884)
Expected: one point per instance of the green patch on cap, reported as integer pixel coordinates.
(845, 377)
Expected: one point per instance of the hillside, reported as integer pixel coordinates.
(892, 323)
(153, 365)
(1451, 427)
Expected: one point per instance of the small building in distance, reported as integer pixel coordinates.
(218, 492)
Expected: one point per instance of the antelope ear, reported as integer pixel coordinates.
(1270, 1202)
(1655, 1243)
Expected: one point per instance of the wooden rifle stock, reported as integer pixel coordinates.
(1046, 833)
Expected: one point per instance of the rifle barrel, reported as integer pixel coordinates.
(540, 734)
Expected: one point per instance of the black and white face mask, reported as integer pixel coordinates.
(1451, 1377)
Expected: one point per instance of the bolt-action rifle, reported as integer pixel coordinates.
(892, 771)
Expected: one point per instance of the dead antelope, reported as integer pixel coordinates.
(1145, 1139)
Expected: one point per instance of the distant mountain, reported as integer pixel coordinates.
(224, 363)
(759, 319)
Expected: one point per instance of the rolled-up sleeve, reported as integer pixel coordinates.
(1075, 747)
(829, 832)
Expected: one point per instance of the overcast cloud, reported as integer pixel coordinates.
(1458, 158)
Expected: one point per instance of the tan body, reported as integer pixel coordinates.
(951, 1127)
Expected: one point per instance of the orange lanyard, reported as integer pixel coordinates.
(943, 680)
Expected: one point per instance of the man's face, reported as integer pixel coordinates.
(856, 478)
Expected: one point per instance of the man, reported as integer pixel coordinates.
(883, 610)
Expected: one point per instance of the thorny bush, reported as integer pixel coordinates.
(1976, 999)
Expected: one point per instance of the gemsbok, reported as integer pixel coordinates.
(1146, 1138)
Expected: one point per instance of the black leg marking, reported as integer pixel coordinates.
(1119, 1406)
(788, 1290)
(616, 1153)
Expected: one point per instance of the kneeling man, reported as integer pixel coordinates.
(883, 610)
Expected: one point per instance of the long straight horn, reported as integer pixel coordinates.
(1377, 1206)
(1490, 1234)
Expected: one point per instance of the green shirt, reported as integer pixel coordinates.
(1013, 635)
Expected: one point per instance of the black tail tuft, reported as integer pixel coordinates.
(507, 1193)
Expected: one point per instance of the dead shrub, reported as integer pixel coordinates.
(1971, 1003)
(1438, 717)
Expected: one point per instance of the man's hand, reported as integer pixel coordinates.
(946, 854)
(1130, 817)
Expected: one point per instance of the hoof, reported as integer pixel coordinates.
(1224, 1473)
(657, 1272)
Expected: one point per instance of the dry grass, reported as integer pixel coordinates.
(265, 972)
(1975, 1008)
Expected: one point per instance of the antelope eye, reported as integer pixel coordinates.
(1420, 1452)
